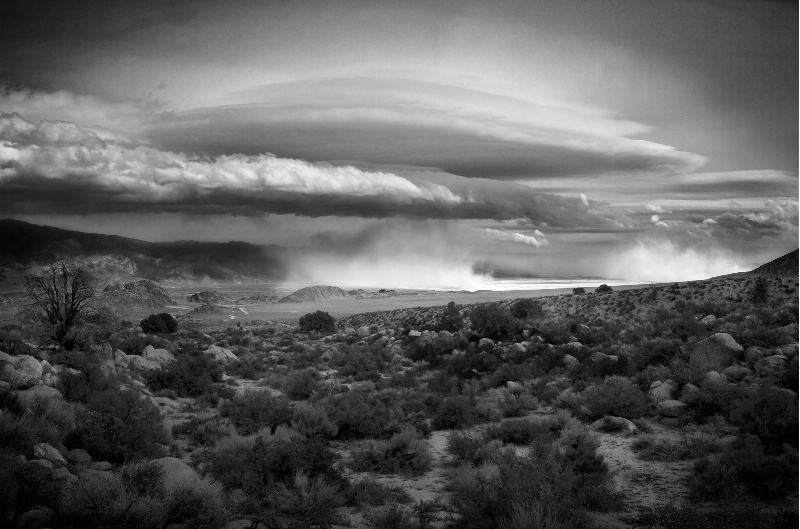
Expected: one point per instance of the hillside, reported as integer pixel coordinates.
(784, 266)
(315, 293)
(111, 258)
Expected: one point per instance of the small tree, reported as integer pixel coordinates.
(159, 323)
(578, 290)
(759, 294)
(527, 309)
(318, 321)
(60, 296)
(603, 288)
(493, 321)
(451, 319)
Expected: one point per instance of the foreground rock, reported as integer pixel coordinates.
(716, 352)
(20, 372)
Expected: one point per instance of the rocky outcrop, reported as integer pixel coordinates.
(661, 391)
(316, 293)
(717, 352)
(220, 354)
(159, 356)
(20, 372)
(143, 294)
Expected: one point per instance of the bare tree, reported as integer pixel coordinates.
(60, 295)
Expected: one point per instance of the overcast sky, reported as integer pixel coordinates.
(633, 139)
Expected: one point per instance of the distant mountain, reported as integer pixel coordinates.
(784, 266)
(318, 293)
(111, 258)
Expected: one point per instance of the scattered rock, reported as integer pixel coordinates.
(120, 358)
(159, 356)
(363, 331)
(45, 451)
(661, 391)
(79, 457)
(716, 352)
(570, 362)
(221, 354)
(139, 362)
(771, 366)
(101, 466)
(42, 463)
(610, 423)
(62, 474)
(176, 473)
(709, 320)
(21, 371)
(713, 377)
(414, 334)
(515, 386)
(28, 396)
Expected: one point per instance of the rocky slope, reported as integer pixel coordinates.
(315, 293)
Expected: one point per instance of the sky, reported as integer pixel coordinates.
(413, 143)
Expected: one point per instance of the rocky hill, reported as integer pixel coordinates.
(208, 298)
(784, 266)
(316, 293)
(136, 294)
(111, 258)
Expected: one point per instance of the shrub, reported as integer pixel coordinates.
(524, 431)
(163, 323)
(368, 491)
(254, 410)
(759, 293)
(317, 321)
(746, 465)
(450, 319)
(394, 517)
(119, 425)
(771, 414)
(491, 320)
(203, 431)
(403, 453)
(312, 420)
(196, 506)
(360, 416)
(454, 412)
(527, 309)
(299, 385)
(308, 502)
(190, 375)
(579, 290)
(731, 515)
(470, 448)
(616, 395)
(23, 486)
(603, 288)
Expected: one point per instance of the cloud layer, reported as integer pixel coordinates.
(58, 165)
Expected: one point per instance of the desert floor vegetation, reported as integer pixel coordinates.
(671, 406)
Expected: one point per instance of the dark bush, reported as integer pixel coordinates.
(162, 323)
(404, 452)
(579, 290)
(454, 412)
(360, 415)
(615, 396)
(255, 410)
(23, 486)
(450, 319)
(603, 288)
(299, 385)
(317, 321)
(759, 293)
(191, 375)
(771, 414)
(527, 309)
(493, 321)
(525, 431)
(119, 425)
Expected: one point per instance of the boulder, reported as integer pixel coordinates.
(414, 334)
(614, 424)
(690, 393)
(790, 350)
(139, 362)
(45, 451)
(514, 386)
(485, 344)
(21, 371)
(220, 354)
(28, 396)
(771, 366)
(177, 474)
(713, 377)
(101, 466)
(602, 357)
(103, 351)
(709, 320)
(44, 463)
(159, 356)
(36, 518)
(570, 362)
(660, 391)
(50, 379)
(363, 331)
(62, 474)
(718, 351)
(671, 408)
(79, 457)
(120, 358)
(574, 347)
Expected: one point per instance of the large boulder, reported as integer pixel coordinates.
(771, 366)
(177, 474)
(221, 354)
(718, 351)
(29, 396)
(142, 363)
(363, 331)
(21, 371)
(159, 356)
(661, 391)
(47, 452)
